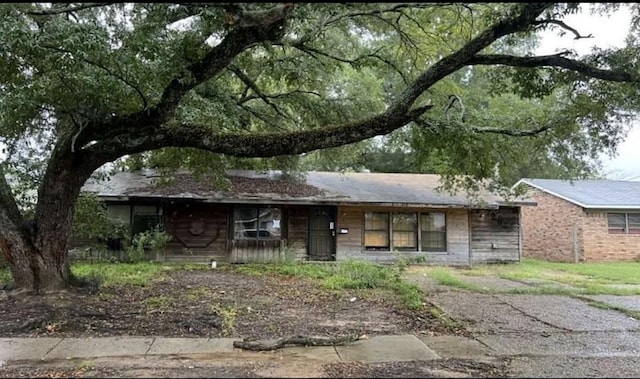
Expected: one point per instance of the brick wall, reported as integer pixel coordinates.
(547, 233)
(601, 246)
(548, 228)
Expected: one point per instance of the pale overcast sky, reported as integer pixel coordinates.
(606, 31)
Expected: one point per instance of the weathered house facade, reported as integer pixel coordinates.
(324, 216)
(582, 220)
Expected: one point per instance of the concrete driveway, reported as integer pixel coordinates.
(543, 335)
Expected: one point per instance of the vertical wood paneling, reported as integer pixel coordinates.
(495, 235)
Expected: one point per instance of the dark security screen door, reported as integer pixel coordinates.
(322, 234)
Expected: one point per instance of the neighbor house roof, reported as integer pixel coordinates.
(312, 188)
(591, 193)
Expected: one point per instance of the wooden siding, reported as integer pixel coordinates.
(351, 245)
(495, 235)
(297, 227)
(199, 231)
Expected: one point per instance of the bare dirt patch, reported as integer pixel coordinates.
(222, 303)
(212, 303)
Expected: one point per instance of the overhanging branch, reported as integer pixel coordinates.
(269, 28)
(253, 144)
(254, 87)
(564, 26)
(485, 130)
(553, 61)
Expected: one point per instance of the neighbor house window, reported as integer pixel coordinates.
(405, 236)
(433, 232)
(620, 223)
(257, 223)
(404, 231)
(376, 231)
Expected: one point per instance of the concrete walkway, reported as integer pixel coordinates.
(375, 349)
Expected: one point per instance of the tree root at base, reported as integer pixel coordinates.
(266, 345)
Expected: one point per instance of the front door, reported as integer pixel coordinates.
(322, 234)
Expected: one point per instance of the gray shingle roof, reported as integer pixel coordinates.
(592, 193)
(335, 188)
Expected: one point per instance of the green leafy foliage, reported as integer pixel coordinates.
(91, 220)
(146, 243)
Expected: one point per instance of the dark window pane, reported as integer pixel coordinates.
(434, 232)
(617, 222)
(634, 223)
(257, 223)
(245, 222)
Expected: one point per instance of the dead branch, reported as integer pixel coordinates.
(294, 341)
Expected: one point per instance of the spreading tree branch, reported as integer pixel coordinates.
(398, 114)
(554, 61)
(254, 87)
(251, 144)
(511, 132)
(245, 98)
(126, 81)
(269, 28)
(564, 26)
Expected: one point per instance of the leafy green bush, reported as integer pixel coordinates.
(91, 221)
(148, 242)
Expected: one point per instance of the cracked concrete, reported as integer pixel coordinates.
(542, 335)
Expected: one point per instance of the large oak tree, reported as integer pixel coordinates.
(85, 84)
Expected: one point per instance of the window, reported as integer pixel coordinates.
(405, 236)
(633, 223)
(376, 231)
(406, 231)
(257, 223)
(621, 223)
(434, 232)
(145, 217)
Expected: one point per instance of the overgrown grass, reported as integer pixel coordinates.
(547, 277)
(352, 274)
(117, 274)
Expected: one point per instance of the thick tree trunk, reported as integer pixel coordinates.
(36, 271)
(36, 250)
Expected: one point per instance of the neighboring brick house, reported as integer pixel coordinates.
(581, 220)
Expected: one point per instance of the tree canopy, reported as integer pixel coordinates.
(212, 85)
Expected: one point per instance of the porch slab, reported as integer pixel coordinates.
(387, 349)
